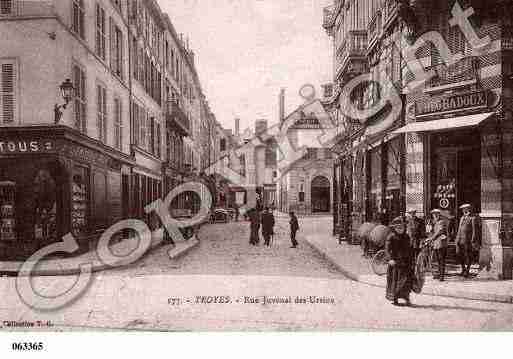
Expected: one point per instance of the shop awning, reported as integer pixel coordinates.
(445, 123)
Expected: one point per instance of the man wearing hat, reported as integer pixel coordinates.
(467, 238)
(415, 229)
(439, 238)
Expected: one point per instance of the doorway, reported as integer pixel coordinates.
(320, 194)
(456, 171)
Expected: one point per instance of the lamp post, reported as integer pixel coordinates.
(67, 94)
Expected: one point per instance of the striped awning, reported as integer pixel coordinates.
(445, 123)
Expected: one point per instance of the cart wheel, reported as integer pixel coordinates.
(379, 263)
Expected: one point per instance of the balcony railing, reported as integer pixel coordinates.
(462, 71)
(354, 47)
(26, 8)
(329, 17)
(374, 28)
(390, 11)
(177, 117)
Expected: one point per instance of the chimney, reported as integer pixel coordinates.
(282, 105)
(237, 127)
(260, 127)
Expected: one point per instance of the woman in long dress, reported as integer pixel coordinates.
(400, 269)
(254, 220)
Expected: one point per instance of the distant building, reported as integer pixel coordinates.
(305, 186)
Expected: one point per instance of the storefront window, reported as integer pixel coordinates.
(99, 214)
(79, 198)
(7, 211)
(375, 184)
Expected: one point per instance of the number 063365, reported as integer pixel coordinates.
(27, 346)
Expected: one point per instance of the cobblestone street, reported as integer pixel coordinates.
(220, 285)
(224, 250)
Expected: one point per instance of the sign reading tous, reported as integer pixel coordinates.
(452, 103)
(26, 146)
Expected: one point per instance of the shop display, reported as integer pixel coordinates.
(7, 211)
(78, 208)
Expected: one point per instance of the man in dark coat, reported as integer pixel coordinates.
(439, 238)
(294, 227)
(467, 239)
(254, 225)
(400, 269)
(267, 226)
(415, 229)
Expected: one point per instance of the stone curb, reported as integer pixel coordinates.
(437, 292)
(98, 266)
(184, 248)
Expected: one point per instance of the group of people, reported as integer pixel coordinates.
(265, 220)
(405, 243)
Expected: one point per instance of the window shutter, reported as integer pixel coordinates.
(6, 7)
(158, 141)
(112, 42)
(8, 99)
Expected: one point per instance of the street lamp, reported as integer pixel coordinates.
(67, 90)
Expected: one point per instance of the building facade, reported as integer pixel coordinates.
(447, 71)
(81, 167)
(305, 186)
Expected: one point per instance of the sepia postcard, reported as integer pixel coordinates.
(255, 165)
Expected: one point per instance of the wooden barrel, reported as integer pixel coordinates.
(363, 232)
(378, 235)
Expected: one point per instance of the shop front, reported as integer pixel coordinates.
(54, 181)
(463, 150)
(343, 193)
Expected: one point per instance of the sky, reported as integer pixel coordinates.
(247, 50)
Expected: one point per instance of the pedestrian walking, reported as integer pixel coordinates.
(267, 226)
(400, 270)
(415, 229)
(294, 227)
(254, 225)
(467, 239)
(237, 212)
(439, 238)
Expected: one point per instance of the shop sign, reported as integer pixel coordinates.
(459, 102)
(26, 146)
(85, 155)
(307, 123)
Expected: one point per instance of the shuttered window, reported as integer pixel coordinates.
(143, 142)
(135, 58)
(152, 131)
(118, 125)
(101, 35)
(6, 7)
(135, 123)
(158, 140)
(116, 49)
(78, 18)
(8, 85)
(102, 113)
(79, 80)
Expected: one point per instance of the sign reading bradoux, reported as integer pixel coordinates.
(454, 103)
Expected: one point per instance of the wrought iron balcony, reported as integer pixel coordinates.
(390, 12)
(351, 54)
(374, 29)
(464, 71)
(24, 8)
(329, 15)
(177, 118)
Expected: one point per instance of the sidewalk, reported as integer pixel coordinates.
(348, 259)
(71, 266)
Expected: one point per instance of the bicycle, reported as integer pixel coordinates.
(425, 260)
(379, 263)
